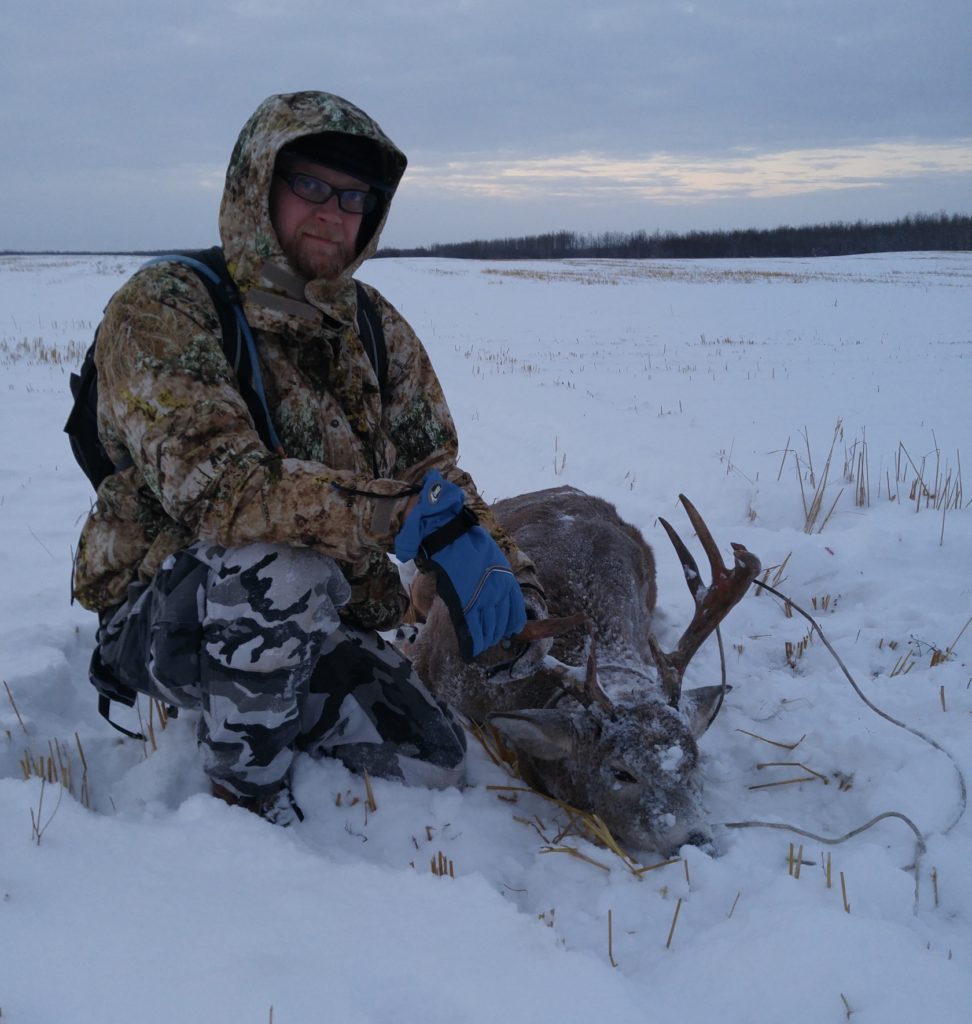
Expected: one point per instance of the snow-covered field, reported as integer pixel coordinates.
(144, 899)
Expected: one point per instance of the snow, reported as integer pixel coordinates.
(147, 900)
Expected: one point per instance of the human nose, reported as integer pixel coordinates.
(329, 209)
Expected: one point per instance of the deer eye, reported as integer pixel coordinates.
(621, 775)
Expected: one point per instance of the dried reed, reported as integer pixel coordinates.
(671, 931)
(843, 893)
(13, 704)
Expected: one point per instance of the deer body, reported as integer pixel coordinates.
(629, 751)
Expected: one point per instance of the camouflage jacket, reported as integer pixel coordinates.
(168, 400)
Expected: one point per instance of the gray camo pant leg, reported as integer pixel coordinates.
(252, 637)
(234, 632)
(367, 706)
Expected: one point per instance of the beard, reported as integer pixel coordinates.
(321, 254)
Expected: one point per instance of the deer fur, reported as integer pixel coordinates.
(632, 759)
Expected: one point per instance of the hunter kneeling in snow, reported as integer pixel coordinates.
(237, 555)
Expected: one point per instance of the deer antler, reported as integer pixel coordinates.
(580, 682)
(542, 629)
(712, 603)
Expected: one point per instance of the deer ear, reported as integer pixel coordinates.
(543, 733)
(700, 707)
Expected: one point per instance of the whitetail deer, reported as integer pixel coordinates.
(603, 725)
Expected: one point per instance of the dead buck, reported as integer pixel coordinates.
(631, 757)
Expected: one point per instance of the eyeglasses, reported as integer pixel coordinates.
(313, 190)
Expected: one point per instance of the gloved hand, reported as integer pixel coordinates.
(472, 575)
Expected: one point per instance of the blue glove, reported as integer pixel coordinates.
(472, 575)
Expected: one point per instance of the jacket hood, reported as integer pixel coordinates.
(248, 238)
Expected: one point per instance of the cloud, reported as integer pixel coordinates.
(671, 178)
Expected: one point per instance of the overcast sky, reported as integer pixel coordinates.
(518, 116)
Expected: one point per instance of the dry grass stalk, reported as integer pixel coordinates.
(774, 743)
(442, 866)
(828, 873)
(596, 828)
(830, 512)
(654, 867)
(793, 764)
(941, 694)
(795, 651)
(85, 794)
(811, 512)
(777, 571)
(934, 881)
(157, 709)
(671, 931)
(56, 767)
(786, 451)
(862, 489)
(951, 647)
(780, 569)
(37, 829)
(151, 725)
(903, 665)
(572, 851)
(13, 704)
(843, 893)
(799, 861)
(611, 941)
(591, 828)
(534, 824)
(62, 759)
(785, 782)
(732, 909)
(944, 493)
(938, 657)
(496, 749)
(369, 794)
(847, 1008)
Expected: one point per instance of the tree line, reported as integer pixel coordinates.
(915, 233)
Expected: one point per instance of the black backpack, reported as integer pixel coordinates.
(239, 348)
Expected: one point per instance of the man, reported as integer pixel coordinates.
(252, 584)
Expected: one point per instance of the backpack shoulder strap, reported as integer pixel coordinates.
(239, 345)
(224, 293)
(372, 335)
(210, 267)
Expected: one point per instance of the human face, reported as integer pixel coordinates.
(318, 239)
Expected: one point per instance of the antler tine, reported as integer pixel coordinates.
(542, 629)
(582, 683)
(709, 546)
(712, 603)
(592, 687)
(689, 565)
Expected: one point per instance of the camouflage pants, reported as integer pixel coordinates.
(252, 637)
